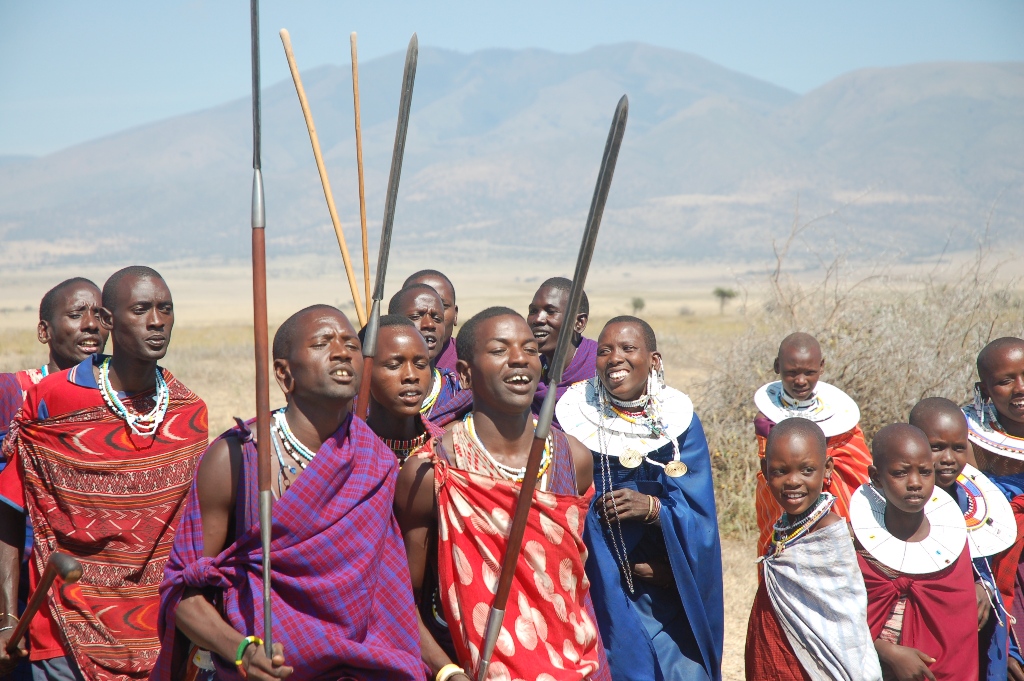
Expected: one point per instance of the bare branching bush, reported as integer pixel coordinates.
(888, 341)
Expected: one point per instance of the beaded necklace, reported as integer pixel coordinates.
(509, 472)
(789, 529)
(403, 448)
(435, 390)
(144, 425)
(282, 438)
(619, 543)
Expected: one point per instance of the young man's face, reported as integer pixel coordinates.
(799, 369)
(906, 475)
(144, 318)
(795, 470)
(401, 373)
(325, 360)
(447, 294)
(426, 311)
(74, 332)
(505, 366)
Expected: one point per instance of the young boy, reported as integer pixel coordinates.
(990, 523)
(913, 553)
(800, 394)
(809, 619)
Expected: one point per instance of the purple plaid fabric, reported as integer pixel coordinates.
(452, 402)
(342, 603)
(447, 358)
(583, 367)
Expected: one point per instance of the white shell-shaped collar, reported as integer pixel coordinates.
(940, 549)
(834, 411)
(991, 527)
(580, 414)
(990, 439)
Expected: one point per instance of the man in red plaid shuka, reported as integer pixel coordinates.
(342, 606)
(454, 505)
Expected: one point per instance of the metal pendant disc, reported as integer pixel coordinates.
(675, 469)
(631, 458)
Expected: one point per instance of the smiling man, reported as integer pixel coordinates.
(101, 459)
(546, 317)
(446, 400)
(912, 550)
(800, 393)
(454, 508)
(342, 606)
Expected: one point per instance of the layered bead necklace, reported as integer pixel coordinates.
(509, 472)
(789, 529)
(143, 425)
(435, 390)
(282, 436)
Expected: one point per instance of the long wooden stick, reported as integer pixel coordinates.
(261, 332)
(547, 410)
(359, 166)
(58, 565)
(315, 141)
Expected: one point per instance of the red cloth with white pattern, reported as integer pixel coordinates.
(548, 634)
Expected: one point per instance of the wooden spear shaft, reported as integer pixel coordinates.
(315, 141)
(359, 167)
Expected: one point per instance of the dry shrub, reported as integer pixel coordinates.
(888, 342)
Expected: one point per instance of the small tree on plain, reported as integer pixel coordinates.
(724, 295)
(638, 305)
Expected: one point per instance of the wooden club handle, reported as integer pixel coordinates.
(59, 565)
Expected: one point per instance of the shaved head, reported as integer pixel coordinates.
(409, 292)
(800, 343)
(996, 353)
(788, 430)
(932, 409)
(285, 335)
(899, 439)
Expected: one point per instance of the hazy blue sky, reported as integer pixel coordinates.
(73, 71)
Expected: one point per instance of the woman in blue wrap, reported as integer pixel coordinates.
(655, 564)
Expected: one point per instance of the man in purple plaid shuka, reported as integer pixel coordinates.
(342, 601)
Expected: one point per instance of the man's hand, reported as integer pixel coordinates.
(984, 604)
(9, 662)
(258, 668)
(905, 663)
(656, 572)
(630, 505)
(1015, 671)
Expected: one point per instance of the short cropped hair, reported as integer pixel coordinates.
(645, 329)
(110, 293)
(565, 285)
(801, 427)
(397, 299)
(465, 342)
(48, 305)
(430, 273)
(285, 335)
(391, 320)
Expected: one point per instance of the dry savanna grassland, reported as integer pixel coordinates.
(892, 335)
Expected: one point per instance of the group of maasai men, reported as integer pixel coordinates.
(388, 534)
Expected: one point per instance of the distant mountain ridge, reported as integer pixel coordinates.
(503, 151)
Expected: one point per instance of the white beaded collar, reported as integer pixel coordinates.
(834, 411)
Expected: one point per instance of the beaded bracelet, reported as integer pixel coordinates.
(246, 642)
(7, 614)
(448, 671)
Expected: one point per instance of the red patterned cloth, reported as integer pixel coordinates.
(109, 498)
(548, 633)
(851, 458)
(939, 618)
(769, 655)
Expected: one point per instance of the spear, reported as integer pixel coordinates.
(370, 337)
(260, 331)
(547, 410)
(314, 140)
(359, 168)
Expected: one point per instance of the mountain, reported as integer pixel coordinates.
(503, 152)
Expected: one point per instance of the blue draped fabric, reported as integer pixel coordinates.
(658, 633)
(992, 639)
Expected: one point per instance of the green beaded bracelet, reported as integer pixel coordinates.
(246, 642)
